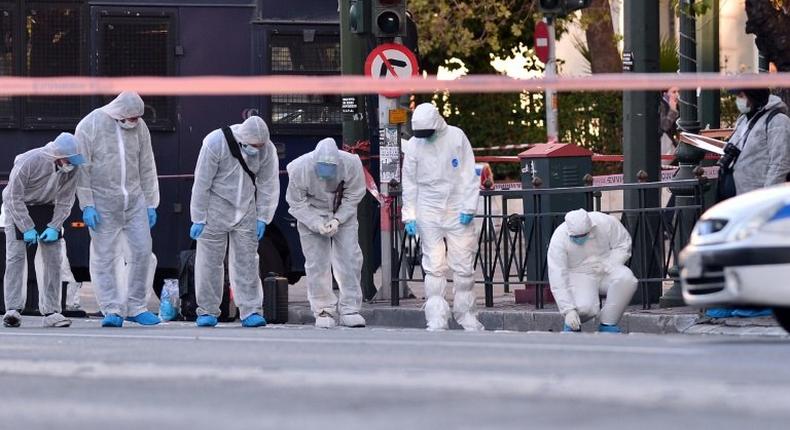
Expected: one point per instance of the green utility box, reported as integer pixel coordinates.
(558, 165)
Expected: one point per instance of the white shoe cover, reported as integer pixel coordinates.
(325, 320)
(352, 320)
(437, 312)
(470, 323)
(55, 320)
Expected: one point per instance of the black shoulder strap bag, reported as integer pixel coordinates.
(233, 145)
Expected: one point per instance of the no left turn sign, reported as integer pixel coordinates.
(391, 61)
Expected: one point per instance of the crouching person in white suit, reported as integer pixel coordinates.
(586, 259)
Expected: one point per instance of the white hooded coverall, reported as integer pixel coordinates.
(34, 180)
(225, 200)
(578, 274)
(120, 181)
(440, 183)
(311, 201)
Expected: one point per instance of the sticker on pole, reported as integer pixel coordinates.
(391, 61)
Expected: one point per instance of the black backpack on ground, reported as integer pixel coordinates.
(186, 286)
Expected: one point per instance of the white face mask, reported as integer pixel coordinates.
(128, 125)
(743, 105)
(66, 168)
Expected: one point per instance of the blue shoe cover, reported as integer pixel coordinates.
(145, 318)
(254, 320)
(606, 328)
(112, 320)
(719, 313)
(566, 329)
(206, 321)
(752, 313)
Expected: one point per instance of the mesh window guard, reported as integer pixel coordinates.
(52, 48)
(291, 54)
(140, 46)
(6, 63)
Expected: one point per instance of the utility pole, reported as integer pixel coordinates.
(354, 26)
(641, 144)
(708, 55)
(552, 129)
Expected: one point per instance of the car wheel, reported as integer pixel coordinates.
(782, 315)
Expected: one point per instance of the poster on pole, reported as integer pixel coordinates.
(389, 155)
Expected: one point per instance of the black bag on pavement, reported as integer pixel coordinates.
(186, 287)
(275, 299)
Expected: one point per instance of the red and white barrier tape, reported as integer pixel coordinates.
(287, 84)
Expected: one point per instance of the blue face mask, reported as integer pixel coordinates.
(326, 171)
(580, 240)
(249, 150)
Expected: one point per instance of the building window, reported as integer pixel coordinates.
(141, 46)
(307, 54)
(6, 62)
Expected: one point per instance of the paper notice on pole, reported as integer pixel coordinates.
(389, 155)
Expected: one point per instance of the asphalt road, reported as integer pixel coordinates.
(176, 376)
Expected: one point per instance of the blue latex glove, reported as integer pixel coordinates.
(411, 228)
(261, 229)
(151, 217)
(91, 217)
(50, 235)
(30, 237)
(196, 230)
(466, 218)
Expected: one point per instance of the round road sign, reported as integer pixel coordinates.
(391, 61)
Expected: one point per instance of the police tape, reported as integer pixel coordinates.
(291, 84)
(711, 172)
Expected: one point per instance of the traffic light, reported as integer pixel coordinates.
(359, 16)
(389, 18)
(562, 7)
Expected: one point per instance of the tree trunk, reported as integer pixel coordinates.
(605, 57)
(772, 28)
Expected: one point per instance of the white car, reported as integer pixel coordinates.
(739, 254)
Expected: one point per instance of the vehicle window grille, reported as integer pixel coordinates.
(6, 63)
(293, 54)
(51, 48)
(140, 46)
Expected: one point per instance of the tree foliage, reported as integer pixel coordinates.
(476, 31)
(472, 30)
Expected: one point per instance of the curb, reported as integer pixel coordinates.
(530, 321)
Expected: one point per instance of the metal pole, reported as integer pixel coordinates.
(641, 144)
(552, 129)
(388, 164)
(688, 157)
(355, 128)
(708, 55)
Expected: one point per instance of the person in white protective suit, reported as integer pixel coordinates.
(325, 187)
(586, 259)
(42, 176)
(231, 201)
(440, 193)
(118, 193)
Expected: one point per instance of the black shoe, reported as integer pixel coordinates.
(12, 319)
